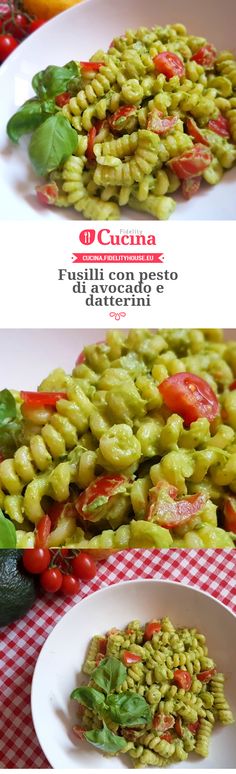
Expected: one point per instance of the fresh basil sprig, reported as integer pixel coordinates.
(54, 80)
(7, 532)
(105, 740)
(90, 698)
(110, 674)
(52, 143)
(128, 709)
(10, 423)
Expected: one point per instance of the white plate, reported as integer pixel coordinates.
(30, 355)
(58, 667)
(76, 34)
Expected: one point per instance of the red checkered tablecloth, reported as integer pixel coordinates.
(213, 571)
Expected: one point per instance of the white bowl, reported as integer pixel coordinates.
(76, 34)
(59, 664)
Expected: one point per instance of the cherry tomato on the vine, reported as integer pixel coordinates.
(51, 580)
(7, 44)
(36, 560)
(35, 24)
(84, 567)
(70, 585)
(18, 26)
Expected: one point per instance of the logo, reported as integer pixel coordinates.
(87, 236)
(105, 238)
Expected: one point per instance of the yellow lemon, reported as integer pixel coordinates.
(44, 9)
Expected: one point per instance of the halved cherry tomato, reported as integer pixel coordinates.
(101, 490)
(169, 64)
(167, 512)
(182, 679)
(56, 510)
(117, 120)
(35, 24)
(190, 396)
(205, 56)
(150, 629)
(47, 194)
(90, 66)
(63, 98)
(102, 645)
(193, 727)
(42, 532)
(206, 676)
(179, 727)
(163, 722)
(51, 580)
(36, 560)
(193, 162)
(158, 124)
(42, 398)
(129, 658)
(168, 737)
(220, 126)
(7, 44)
(190, 187)
(193, 129)
(230, 514)
(232, 386)
(91, 138)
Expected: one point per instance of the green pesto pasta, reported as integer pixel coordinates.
(152, 692)
(126, 448)
(153, 114)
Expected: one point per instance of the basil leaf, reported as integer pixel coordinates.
(7, 532)
(110, 674)
(54, 80)
(7, 407)
(90, 698)
(105, 740)
(52, 143)
(27, 118)
(129, 709)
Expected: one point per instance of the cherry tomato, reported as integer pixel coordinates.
(193, 162)
(43, 530)
(84, 567)
(205, 56)
(70, 585)
(64, 551)
(51, 580)
(91, 137)
(169, 64)
(102, 646)
(206, 676)
(158, 124)
(117, 120)
(90, 66)
(190, 396)
(220, 126)
(190, 187)
(100, 490)
(167, 736)
(182, 679)
(179, 727)
(129, 658)
(170, 514)
(42, 398)
(232, 386)
(47, 194)
(230, 514)
(163, 722)
(193, 129)
(7, 44)
(193, 727)
(17, 26)
(63, 98)
(150, 629)
(36, 560)
(35, 24)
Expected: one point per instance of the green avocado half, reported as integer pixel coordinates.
(17, 589)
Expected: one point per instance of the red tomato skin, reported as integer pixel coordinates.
(36, 560)
(63, 98)
(129, 658)
(230, 514)
(35, 24)
(90, 66)
(206, 675)
(42, 398)
(179, 727)
(70, 585)
(232, 386)
(156, 123)
(220, 126)
(192, 163)
(190, 396)
(17, 26)
(190, 187)
(7, 45)
(193, 727)
(179, 512)
(79, 732)
(84, 567)
(150, 629)
(163, 722)
(167, 736)
(51, 580)
(123, 111)
(47, 194)
(42, 532)
(91, 137)
(193, 129)
(103, 646)
(205, 56)
(169, 64)
(182, 679)
(106, 486)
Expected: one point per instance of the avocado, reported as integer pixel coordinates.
(17, 589)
